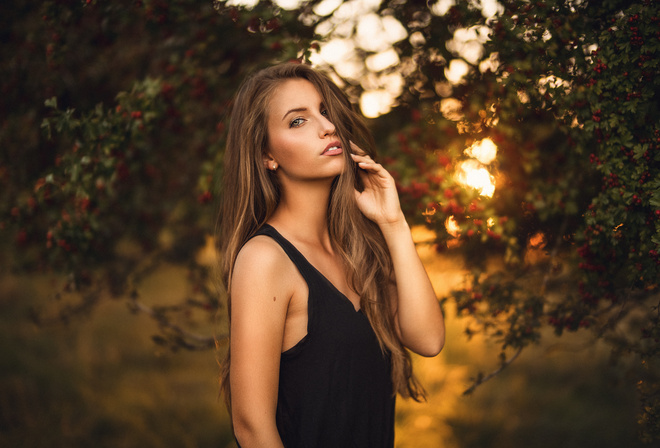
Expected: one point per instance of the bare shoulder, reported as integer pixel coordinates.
(261, 249)
(262, 265)
(260, 255)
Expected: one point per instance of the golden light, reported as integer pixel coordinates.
(451, 109)
(380, 61)
(475, 175)
(326, 7)
(376, 102)
(537, 240)
(468, 42)
(452, 227)
(484, 151)
(377, 33)
(456, 70)
(454, 230)
(535, 252)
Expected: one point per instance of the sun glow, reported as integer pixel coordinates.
(484, 151)
(474, 172)
(452, 227)
(454, 230)
(475, 175)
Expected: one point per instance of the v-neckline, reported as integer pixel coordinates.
(343, 296)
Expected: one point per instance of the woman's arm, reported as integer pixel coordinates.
(418, 314)
(260, 296)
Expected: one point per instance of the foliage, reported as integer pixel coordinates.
(568, 91)
(128, 182)
(574, 230)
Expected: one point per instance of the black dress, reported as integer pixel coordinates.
(335, 386)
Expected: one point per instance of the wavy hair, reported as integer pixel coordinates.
(250, 195)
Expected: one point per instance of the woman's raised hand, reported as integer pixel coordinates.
(379, 200)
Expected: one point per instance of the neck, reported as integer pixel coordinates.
(303, 212)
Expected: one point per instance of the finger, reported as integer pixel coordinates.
(374, 170)
(369, 165)
(362, 158)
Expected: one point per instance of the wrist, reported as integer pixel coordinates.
(395, 227)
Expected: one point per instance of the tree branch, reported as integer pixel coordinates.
(178, 336)
(482, 379)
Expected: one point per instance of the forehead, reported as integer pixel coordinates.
(294, 93)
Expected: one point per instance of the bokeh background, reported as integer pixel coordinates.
(524, 140)
(101, 381)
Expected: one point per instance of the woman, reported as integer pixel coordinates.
(326, 288)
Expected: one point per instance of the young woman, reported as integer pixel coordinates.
(326, 288)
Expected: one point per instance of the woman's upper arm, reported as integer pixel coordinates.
(259, 299)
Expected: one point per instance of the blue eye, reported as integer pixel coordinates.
(296, 122)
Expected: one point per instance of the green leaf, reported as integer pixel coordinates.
(51, 102)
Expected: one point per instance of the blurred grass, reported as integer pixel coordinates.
(101, 382)
(566, 391)
(560, 393)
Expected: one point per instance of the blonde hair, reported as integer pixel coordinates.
(251, 194)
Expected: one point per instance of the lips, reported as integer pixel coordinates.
(333, 149)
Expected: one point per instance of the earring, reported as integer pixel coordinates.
(274, 166)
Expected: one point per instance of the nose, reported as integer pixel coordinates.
(327, 128)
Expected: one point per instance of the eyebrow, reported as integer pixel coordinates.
(299, 109)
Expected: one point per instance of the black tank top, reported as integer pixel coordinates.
(335, 386)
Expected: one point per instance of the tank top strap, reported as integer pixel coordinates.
(308, 271)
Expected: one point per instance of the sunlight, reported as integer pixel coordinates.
(537, 240)
(457, 69)
(535, 251)
(376, 33)
(451, 109)
(361, 27)
(473, 174)
(380, 61)
(489, 8)
(484, 151)
(284, 4)
(326, 7)
(454, 230)
(335, 51)
(452, 227)
(441, 7)
(245, 3)
(551, 82)
(468, 43)
(491, 63)
(376, 102)
(289, 4)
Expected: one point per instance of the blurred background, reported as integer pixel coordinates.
(101, 381)
(523, 137)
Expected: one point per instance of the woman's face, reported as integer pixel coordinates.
(301, 139)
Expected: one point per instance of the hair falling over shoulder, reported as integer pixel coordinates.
(250, 195)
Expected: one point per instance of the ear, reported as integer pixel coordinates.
(269, 162)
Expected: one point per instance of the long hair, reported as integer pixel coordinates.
(250, 195)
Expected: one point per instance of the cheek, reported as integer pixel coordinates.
(279, 146)
(286, 147)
